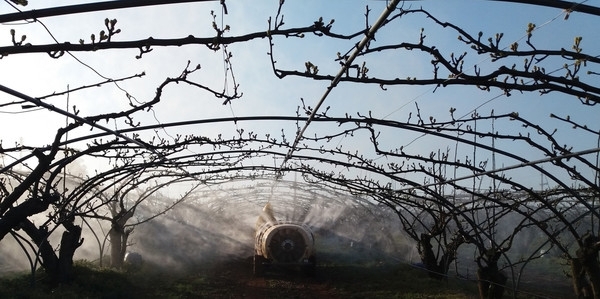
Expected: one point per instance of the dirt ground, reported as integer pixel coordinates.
(234, 279)
(337, 276)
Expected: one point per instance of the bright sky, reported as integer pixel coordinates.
(39, 75)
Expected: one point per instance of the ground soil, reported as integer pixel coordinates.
(234, 279)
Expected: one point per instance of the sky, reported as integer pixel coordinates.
(263, 94)
(39, 75)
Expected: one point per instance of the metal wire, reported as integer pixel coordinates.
(359, 47)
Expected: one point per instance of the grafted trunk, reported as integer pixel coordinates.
(39, 235)
(594, 275)
(70, 241)
(428, 257)
(59, 268)
(119, 236)
(118, 246)
(436, 270)
(585, 269)
(491, 282)
(581, 285)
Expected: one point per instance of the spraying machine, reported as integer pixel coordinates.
(282, 243)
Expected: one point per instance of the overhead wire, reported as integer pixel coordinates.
(537, 28)
(53, 108)
(414, 99)
(369, 35)
(511, 167)
(227, 68)
(333, 84)
(76, 9)
(43, 105)
(299, 135)
(564, 13)
(87, 7)
(588, 151)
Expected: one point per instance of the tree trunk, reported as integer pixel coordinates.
(116, 247)
(585, 269)
(49, 260)
(70, 241)
(491, 282)
(428, 257)
(594, 275)
(118, 235)
(59, 268)
(581, 286)
(438, 270)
